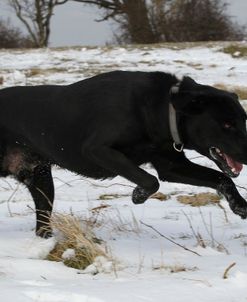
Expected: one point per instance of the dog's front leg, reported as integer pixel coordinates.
(184, 171)
(119, 164)
(236, 202)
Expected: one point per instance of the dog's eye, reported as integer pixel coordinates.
(228, 125)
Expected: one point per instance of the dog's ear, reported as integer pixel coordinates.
(188, 84)
(234, 96)
(189, 98)
(187, 103)
(192, 98)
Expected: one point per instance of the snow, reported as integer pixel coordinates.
(147, 267)
(68, 254)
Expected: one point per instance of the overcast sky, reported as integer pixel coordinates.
(74, 23)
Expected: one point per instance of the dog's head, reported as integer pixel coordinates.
(213, 123)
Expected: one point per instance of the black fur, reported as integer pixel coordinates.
(112, 123)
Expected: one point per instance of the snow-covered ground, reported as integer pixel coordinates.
(149, 267)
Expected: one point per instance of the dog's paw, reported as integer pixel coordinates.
(239, 209)
(140, 195)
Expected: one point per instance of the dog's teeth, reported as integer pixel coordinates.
(218, 151)
(233, 170)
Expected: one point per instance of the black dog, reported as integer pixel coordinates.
(110, 124)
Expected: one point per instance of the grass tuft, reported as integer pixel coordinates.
(78, 246)
(198, 200)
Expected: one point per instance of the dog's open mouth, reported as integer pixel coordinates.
(225, 162)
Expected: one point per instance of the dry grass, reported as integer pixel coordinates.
(100, 208)
(39, 71)
(236, 50)
(198, 200)
(172, 45)
(77, 238)
(176, 268)
(179, 61)
(213, 65)
(111, 196)
(160, 196)
(196, 66)
(225, 275)
(169, 45)
(181, 268)
(116, 223)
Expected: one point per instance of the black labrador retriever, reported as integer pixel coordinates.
(112, 123)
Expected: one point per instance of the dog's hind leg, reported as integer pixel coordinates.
(117, 163)
(40, 184)
(35, 172)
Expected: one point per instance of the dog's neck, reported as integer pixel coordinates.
(173, 123)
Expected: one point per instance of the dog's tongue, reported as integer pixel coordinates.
(236, 166)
